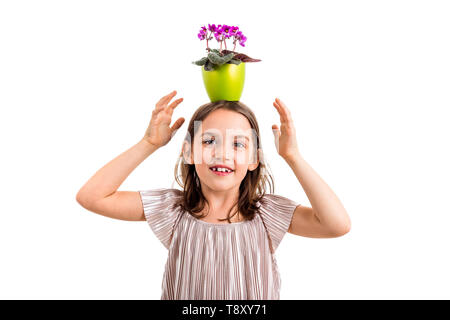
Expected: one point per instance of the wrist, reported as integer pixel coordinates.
(147, 145)
(293, 157)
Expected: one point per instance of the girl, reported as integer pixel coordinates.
(222, 230)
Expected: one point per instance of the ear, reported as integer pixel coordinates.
(187, 154)
(253, 165)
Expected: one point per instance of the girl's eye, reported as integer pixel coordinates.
(208, 142)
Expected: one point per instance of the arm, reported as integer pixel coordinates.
(100, 193)
(327, 218)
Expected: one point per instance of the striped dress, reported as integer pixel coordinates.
(218, 261)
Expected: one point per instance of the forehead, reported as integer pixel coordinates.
(226, 122)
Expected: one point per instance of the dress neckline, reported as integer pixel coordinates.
(217, 224)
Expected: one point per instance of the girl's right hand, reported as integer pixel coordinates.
(158, 132)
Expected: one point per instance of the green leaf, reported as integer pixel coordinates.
(201, 62)
(209, 66)
(235, 61)
(218, 60)
(214, 58)
(228, 57)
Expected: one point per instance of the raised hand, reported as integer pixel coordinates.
(285, 137)
(158, 132)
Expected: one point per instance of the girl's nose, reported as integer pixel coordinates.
(221, 151)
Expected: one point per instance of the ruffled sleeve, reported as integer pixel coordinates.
(160, 212)
(276, 212)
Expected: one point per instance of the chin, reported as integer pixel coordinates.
(220, 186)
(220, 183)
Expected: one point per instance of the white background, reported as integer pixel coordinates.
(367, 83)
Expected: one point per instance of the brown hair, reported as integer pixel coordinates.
(253, 186)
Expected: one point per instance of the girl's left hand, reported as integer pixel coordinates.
(285, 139)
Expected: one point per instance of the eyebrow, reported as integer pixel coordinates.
(242, 136)
(236, 136)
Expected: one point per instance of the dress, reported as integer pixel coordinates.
(218, 261)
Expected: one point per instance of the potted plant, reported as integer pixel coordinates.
(223, 70)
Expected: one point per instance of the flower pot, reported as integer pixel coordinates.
(225, 82)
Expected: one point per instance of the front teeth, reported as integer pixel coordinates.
(221, 169)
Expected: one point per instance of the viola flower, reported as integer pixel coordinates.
(241, 38)
(218, 36)
(217, 57)
(212, 27)
(226, 30)
(202, 35)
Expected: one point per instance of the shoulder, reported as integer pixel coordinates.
(160, 195)
(274, 201)
(161, 211)
(161, 192)
(160, 199)
(276, 212)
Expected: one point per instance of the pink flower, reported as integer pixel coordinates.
(221, 33)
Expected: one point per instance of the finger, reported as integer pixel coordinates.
(174, 104)
(164, 100)
(285, 117)
(281, 109)
(284, 108)
(275, 130)
(177, 124)
(163, 105)
(280, 112)
(170, 96)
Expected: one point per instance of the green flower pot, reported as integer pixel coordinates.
(225, 82)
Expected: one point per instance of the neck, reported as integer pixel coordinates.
(220, 202)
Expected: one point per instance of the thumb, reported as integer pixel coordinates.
(177, 124)
(276, 131)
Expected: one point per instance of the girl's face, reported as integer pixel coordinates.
(223, 138)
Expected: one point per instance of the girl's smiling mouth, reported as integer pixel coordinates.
(220, 171)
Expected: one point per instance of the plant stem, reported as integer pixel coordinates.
(207, 36)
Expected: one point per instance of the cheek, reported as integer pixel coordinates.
(207, 155)
(241, 163)
(202, 155)
(240, 157)
(252, 155)
(203, 169)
